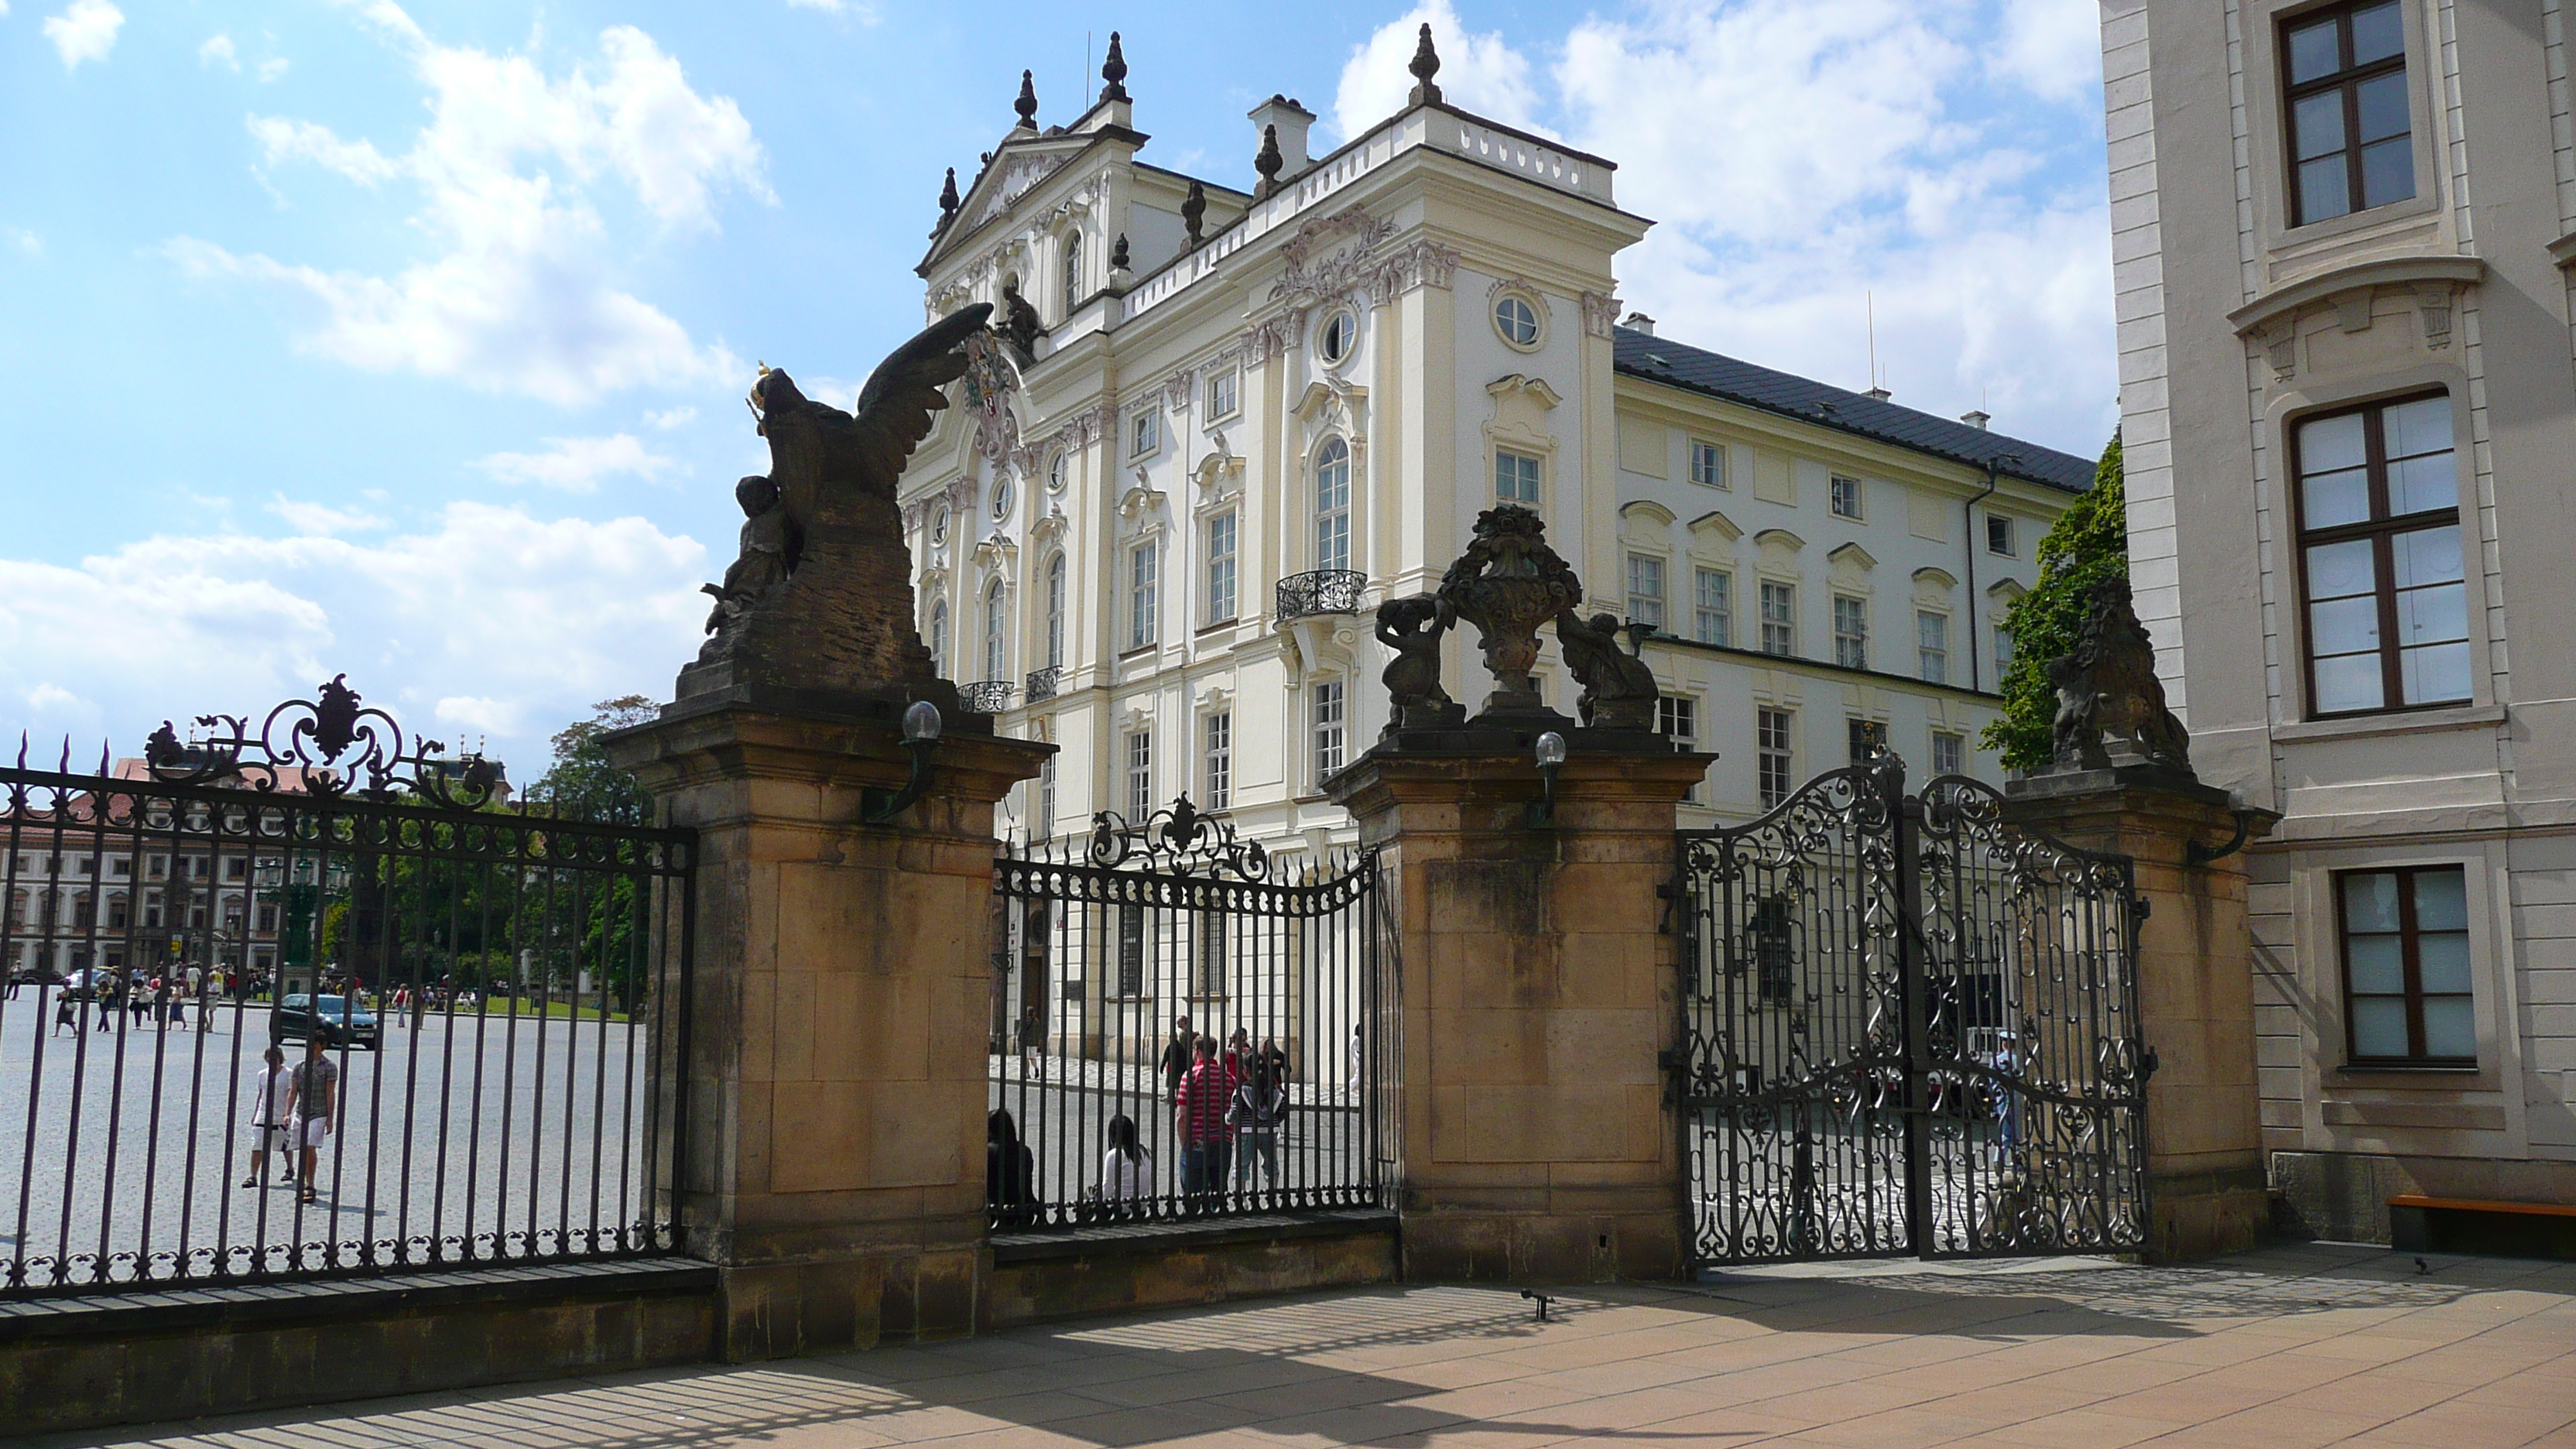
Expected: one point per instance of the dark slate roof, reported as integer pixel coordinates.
(1661, 359)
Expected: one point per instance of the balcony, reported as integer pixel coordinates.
(1043, 682)
(1322, 591)
(990, 697)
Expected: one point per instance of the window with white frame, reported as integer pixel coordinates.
(1516, 477)
(939, 638)
(1055, 612)
(1713, 617)
(1333, 505)
(1220, 568)
(1221, 398)
(1646, 589)
(1999, 535)
(1218, 761)
(1140, 775)
(995, 666)
(1517, 320)
(2003, 652)
(1949, 752)
(1779, 618)
(1932, 646)
(1145, 432)
(1072, 272)
(1339, 335)
(1045, 822)
(1677, 719)
(1845, 495)
(1775, 751)
(1866, 738)
(1851, 631)
(1143, 567)
(1327, 727)
(1707, 464)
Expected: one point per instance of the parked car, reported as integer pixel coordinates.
(343, 1023)
(40, 976)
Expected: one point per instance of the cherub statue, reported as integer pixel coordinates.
(1619, 690)
(1019, 325)
(1411, 629)
(770, 543)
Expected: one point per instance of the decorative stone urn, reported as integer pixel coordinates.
(1507, 583)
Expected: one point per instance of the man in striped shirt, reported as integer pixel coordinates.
(1198, 1120)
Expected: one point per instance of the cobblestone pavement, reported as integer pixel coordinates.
(2296, 1346)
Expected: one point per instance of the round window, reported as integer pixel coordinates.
(1001, 498)
(939, 526)
(1517, 320)
(1341, 334)
(1055, 474)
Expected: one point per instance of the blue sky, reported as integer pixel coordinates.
(411, 342)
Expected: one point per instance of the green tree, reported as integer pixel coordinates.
(2089, 543)
(580, 783)
(595, 916)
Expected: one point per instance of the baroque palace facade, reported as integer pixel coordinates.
(2341, 241)
(1157, 534)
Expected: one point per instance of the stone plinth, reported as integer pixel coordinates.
(2195, 992)
(1533, 1140)
(835, 1048)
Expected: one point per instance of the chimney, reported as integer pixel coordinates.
(1291, 120)
(1975, 419)
(1880, 393)
(1640, 322)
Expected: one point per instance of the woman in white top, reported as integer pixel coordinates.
(1127, 1173)
(267, 1122)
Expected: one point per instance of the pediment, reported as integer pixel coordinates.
(1018, 168)
(1853, 556)
(1533, 388)
(1714, 523)
(1780, 539)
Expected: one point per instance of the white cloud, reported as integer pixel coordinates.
(84, 31)
(865, 14)
(24, 240)
(321, 519)
(218, 50)
(520, 297)
(671, 417)
(271, 68)
(529, 619)
(48, 695)
(577, 465)
(1478, 73)
(2054, 47)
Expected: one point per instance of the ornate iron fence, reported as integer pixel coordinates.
(1043, 683)
(1909, 1027)
(490, 984)
(1322, 591)
(991, 696)
(1116, 954)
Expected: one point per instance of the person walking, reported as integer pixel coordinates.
(65, 1014)
(269, 1094)
(1177, 1058)
(1127, 1172)
(312, 1099)
(210, 991)
(1198, 1123)
(1260, 1106)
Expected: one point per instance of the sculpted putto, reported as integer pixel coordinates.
(1619, 689)
(1411, 630)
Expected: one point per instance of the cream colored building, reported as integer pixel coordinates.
(2350, 417)
(1160, 544)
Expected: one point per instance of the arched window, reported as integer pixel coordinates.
(1072, 271)
(939, 638)
(1333, 505)
(994, 666)
(1055, 612)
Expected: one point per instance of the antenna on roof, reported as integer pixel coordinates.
(1869, 312)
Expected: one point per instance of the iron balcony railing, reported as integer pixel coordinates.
(1320, 591)
(1043, 682)
(991, 696)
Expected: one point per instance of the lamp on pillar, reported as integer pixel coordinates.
(920, 736)
(1550, 753)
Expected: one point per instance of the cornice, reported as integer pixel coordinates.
(2285, 301)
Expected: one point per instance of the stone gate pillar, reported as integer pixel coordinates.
(836, 1046)
(1535, 993)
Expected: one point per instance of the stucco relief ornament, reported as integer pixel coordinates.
(2110, 705)
(986, 390)
(1507, 583)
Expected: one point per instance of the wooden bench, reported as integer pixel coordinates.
(2419, 1223)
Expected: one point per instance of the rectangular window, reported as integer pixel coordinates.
(1772, 952)
(1645, 589)
(1949, 752)
(2350, 135)
(1140, 776)
(1046, 798)
(1516, 478)
(1715, 616)
(1141, 621)
(1220, 761)
(1677, 719)
(1999, 535)
(1868, 738)
(1851, 631)
(1145, 433)
(2003, 653)
(2379, 549)
(1220, 398)
(1774, 733)
(1220, 568)
(1932, 646)
(1328, 727)
(1211, 932)
(1779, 618)
(1133, 942)
(1846, 496)
(2406, 965)
(1707, 464)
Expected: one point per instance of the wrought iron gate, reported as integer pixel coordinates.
(1909, 1027)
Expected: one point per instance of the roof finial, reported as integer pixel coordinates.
(948, 202)
(1268, 163)
(1426, 64)
(1118, 253)
(1027, 104)
(1114, 71)
(1194, 212)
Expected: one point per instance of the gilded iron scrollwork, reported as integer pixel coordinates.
(334, 743)
(1179, 838)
